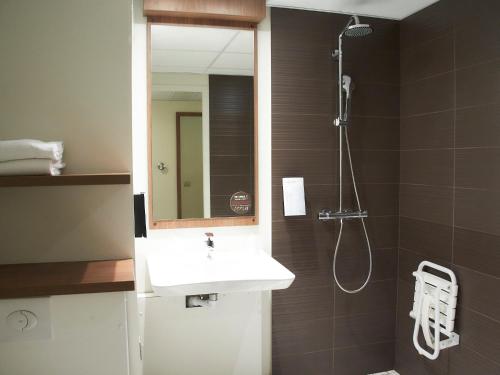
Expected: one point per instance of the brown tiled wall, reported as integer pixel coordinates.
(231, 140)
(450, 175)
(316, 328)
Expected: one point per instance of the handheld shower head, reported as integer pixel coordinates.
(347, 85)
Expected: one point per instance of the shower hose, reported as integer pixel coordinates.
(337, 245)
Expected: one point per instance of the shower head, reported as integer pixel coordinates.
(356, 29)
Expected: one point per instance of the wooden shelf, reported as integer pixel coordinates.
(66, 179)
(47, 279)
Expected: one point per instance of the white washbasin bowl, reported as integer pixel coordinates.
(191, 272)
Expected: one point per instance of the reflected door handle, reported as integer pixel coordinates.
(162, 167)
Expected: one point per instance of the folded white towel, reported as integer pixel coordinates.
(18, 149)
(31, 167)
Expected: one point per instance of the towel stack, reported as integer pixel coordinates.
(30, 157)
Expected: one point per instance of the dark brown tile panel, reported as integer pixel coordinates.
(379, 199)
(297, 27)
(317, 363)
(297, 237)
(231, 145)
(382, 231)
(353, 269)
(478, 126)
(479, 292)
(478, 210)
(464, 361)
(305, 336)
(427, 131)
(427, 95)
(305, 61)
(409, 261)
(427, 24)
(316, 166)
(303, 96)
(383, 66)
(479, 333)
(377, 296)
(427, 167)
(409, 362)
(357, 330)
(427, 59)
(479, 84)
(373, 133)
(478, 168)
(228, 185)
(478, 251)
(374, 166)
(470, 203)
(231, 165)
(299, 131)
(426, 238)
(404, 328)
(428, 203)
(304, 145)
(311, 270)
(476, 38)
(228, 124)
(373, 99)
(364, 359)
(297, 304)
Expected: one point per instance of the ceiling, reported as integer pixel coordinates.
(395, 9)
(203, 50)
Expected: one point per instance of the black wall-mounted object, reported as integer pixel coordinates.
(139, 216)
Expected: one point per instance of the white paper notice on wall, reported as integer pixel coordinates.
(294, 203)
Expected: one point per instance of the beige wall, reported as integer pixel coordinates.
(65, 74)
(164, 149)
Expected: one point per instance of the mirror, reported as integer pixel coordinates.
(201, 126)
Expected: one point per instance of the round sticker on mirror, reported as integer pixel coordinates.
(240, 202)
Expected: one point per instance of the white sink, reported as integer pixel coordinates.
(191, 272)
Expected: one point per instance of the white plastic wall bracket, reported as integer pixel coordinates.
(434, 306)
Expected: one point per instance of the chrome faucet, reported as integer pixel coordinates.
(210, 244)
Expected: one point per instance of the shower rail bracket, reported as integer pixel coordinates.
(326, 214)
(339, 122)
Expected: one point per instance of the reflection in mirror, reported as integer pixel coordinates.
(202, 122)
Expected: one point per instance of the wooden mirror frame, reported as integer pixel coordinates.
(201, 222)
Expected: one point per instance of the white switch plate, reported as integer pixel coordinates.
(40, 307)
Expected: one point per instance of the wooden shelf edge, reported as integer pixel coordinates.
(66, 179)
(60, 278)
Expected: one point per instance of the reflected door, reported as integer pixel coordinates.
(189, 165)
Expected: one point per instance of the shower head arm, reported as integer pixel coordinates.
(353, 19)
